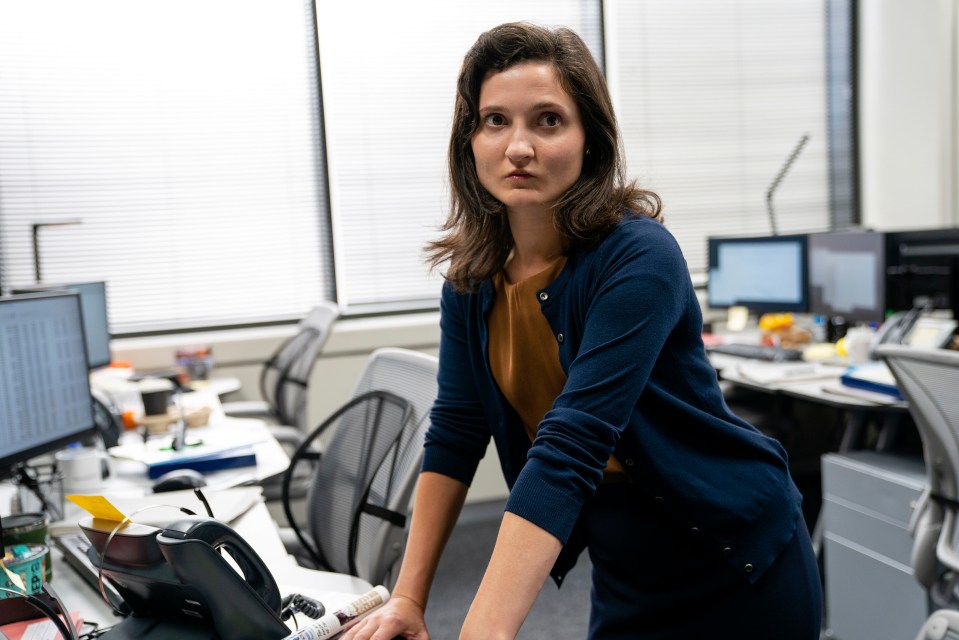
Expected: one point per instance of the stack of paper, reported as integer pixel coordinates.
(875, 377)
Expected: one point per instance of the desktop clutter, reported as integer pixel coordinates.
(166, 581)
(842, 359)
(164, 575)
(151, 402)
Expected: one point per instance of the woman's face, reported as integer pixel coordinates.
(530, 144)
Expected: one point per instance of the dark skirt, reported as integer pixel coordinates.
(652, 581)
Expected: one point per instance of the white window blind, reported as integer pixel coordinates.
(389, 74)
(185, 136)
(712, 97)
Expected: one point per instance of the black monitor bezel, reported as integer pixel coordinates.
(44, 288)
(947, 238)
(9, 461)
(871, 315)
(802, 306)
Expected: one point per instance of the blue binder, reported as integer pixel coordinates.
(874, 377)
(205, 462)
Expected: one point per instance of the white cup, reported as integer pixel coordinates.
(82, 469)
(858, 340)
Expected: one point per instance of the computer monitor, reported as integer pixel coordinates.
(764, 274)
(922, 269)
(96, 322)
(847, 275)
(45, 401)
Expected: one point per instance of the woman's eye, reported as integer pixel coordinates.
(549, 120)
(494, 119)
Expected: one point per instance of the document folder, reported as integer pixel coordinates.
(874, 377)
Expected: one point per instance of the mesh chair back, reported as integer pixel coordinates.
(360, 494)
(929, 381)
(284, 379)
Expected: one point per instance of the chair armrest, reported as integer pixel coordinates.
(289, 437)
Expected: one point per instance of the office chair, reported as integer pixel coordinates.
(284, 386)
(929, 379)
(941, 625)
(285, 376)
(360, 492)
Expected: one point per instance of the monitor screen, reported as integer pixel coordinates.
(96, 323)
(847, 275)
(763, 274)
(45, 400)
(922, 269)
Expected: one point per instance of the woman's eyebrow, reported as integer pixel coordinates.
(539, 106)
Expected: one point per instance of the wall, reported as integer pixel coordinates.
(907, 113)
(239, 353)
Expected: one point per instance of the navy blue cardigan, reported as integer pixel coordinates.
(639, 385)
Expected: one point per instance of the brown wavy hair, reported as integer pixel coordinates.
(477, 238)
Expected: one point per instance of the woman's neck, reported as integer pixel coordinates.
(536, 244)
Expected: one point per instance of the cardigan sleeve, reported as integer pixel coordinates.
(459, 433)
(637, 294)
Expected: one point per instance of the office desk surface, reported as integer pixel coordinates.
(257, 527)
(243, 508)
(819, 385)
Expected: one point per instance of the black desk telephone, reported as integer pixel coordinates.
(916, 328)
(178, 584)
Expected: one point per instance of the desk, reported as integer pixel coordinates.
(256, 527)
(220, 385)
(821, 387)
(129, 486)
(221, 431)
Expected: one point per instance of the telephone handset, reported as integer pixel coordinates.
(894, 329)
(915, 328)
(177, 575)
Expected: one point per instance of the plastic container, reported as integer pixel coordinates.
(27, 561)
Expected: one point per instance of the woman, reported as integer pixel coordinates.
(571, 335)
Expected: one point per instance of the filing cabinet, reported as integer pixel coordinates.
(870, 590)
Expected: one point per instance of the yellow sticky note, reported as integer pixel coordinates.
(98, 507)
(13, 577)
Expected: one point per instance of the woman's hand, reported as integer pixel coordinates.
(400, 617)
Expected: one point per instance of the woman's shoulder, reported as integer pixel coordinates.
(637, 225)
(640, 234)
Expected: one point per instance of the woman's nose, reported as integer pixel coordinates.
(519, 149)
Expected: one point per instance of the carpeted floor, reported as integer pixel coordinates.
(559, 614)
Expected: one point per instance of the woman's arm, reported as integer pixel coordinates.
(522, 559)
(439, 500)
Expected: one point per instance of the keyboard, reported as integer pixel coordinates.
(758, 352)
(74, 547)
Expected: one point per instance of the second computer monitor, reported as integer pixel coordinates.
(847, 275)
(765, 274)
(44, 386)
(922, 269)
(96, 323)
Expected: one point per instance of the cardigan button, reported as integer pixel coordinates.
(748, 568)
(560, 338)
(628, 462)
(727, 550)
(659, 499)
(543, 296)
